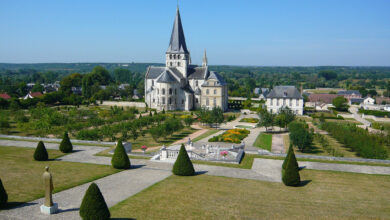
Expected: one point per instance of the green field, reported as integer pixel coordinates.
(327, 195)
(22, 175)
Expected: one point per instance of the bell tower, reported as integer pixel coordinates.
(177, 55)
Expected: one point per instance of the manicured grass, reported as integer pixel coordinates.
(55, 142)
(246, 162)
(250, 120)
(22, 175)
(264, 141)
(328, 195)
(204, 135)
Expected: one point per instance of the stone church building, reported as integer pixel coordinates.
(180, 85)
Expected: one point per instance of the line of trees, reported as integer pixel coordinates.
(212, 117)
(359, 140)
(282, 119)
(300, 136)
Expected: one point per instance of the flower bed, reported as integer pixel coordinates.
(250, 120)
(231, 136)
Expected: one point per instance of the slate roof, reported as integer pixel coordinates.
(177, 43)
(166, 77)
(349, 92)
(356, 100)
(285, 92)
(197, 72)
(154, 71)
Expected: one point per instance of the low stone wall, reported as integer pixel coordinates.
(124, 104)
(347, 159)
(55, 140)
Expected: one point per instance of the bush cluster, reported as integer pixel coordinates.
(231, 136)
(376, 113)
(120, 159)
(359, 140)
(300, 135)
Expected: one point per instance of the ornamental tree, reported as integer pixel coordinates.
(183, 165)
(66, 146)
(290, 174)
(40, 153)
(3, 196)
(93, 205)
(120, 159)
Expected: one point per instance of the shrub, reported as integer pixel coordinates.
(66, 146)
(300, 135)
(93, 205)
(183, 165)
(40, 153)
(289, 152)
(290, 174)
(3, 195)
(120, 159)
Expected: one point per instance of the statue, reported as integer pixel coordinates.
(48, 207)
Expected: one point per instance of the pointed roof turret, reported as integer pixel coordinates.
(204, 61)
(178, 41)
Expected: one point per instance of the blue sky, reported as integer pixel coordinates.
(234, 32)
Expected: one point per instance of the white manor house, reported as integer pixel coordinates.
(180, 85)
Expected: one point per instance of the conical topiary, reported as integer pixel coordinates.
(40, 153)
(93, 205)
(3, 195)
(183, 165)
(66, 146)
(120, 159)
(289, 151)
(290, 175)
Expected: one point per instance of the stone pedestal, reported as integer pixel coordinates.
(49, 210)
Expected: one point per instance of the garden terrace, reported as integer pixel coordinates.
(231, 136)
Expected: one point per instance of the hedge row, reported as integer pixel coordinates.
(375, 113)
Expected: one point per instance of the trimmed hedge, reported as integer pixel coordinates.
(40, 153)
(289, 151)
(66, 146)
(3, 195)
(93, 205)
(290, 170)
(375, 113)
(120, 159)
(183, 165)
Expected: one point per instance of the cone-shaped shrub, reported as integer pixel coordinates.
(3, 195)
(183, 165)
(289, 151)
(40, 153)
(290, 175)
(120, 159)
(66, 146)
(93, 205)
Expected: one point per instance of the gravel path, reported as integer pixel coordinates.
(277, 143)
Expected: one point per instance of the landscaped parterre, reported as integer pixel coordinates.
(231, 136)
(250, 120)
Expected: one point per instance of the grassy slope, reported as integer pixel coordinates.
(333, 195)
(204, 135)
(22, 176)
(264, 141)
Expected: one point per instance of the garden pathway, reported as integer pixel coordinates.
(277, 143)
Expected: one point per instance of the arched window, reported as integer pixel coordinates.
(170, 56)
(170, 63)
(163, 100)
(196, 100)
(174, 56)
(163, 91)
(169, 101)
(196, 83)
(178, 63)
(215, 91)
(207, 91)
(170, 91)
(178, 56)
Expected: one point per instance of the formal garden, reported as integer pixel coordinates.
(250, 120)
(231, 136)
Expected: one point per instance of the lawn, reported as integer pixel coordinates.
(264, 141)
(22, 175)
(250, 120)
(332, 195)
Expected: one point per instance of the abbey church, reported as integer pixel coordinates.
(180, 85)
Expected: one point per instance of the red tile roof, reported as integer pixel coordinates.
(5, 96)
(322, 97)
(36, 94)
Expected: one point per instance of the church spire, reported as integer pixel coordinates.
(204, 61)
(177, 43)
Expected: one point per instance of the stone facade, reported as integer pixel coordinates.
(285, 96)
(180, 85)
